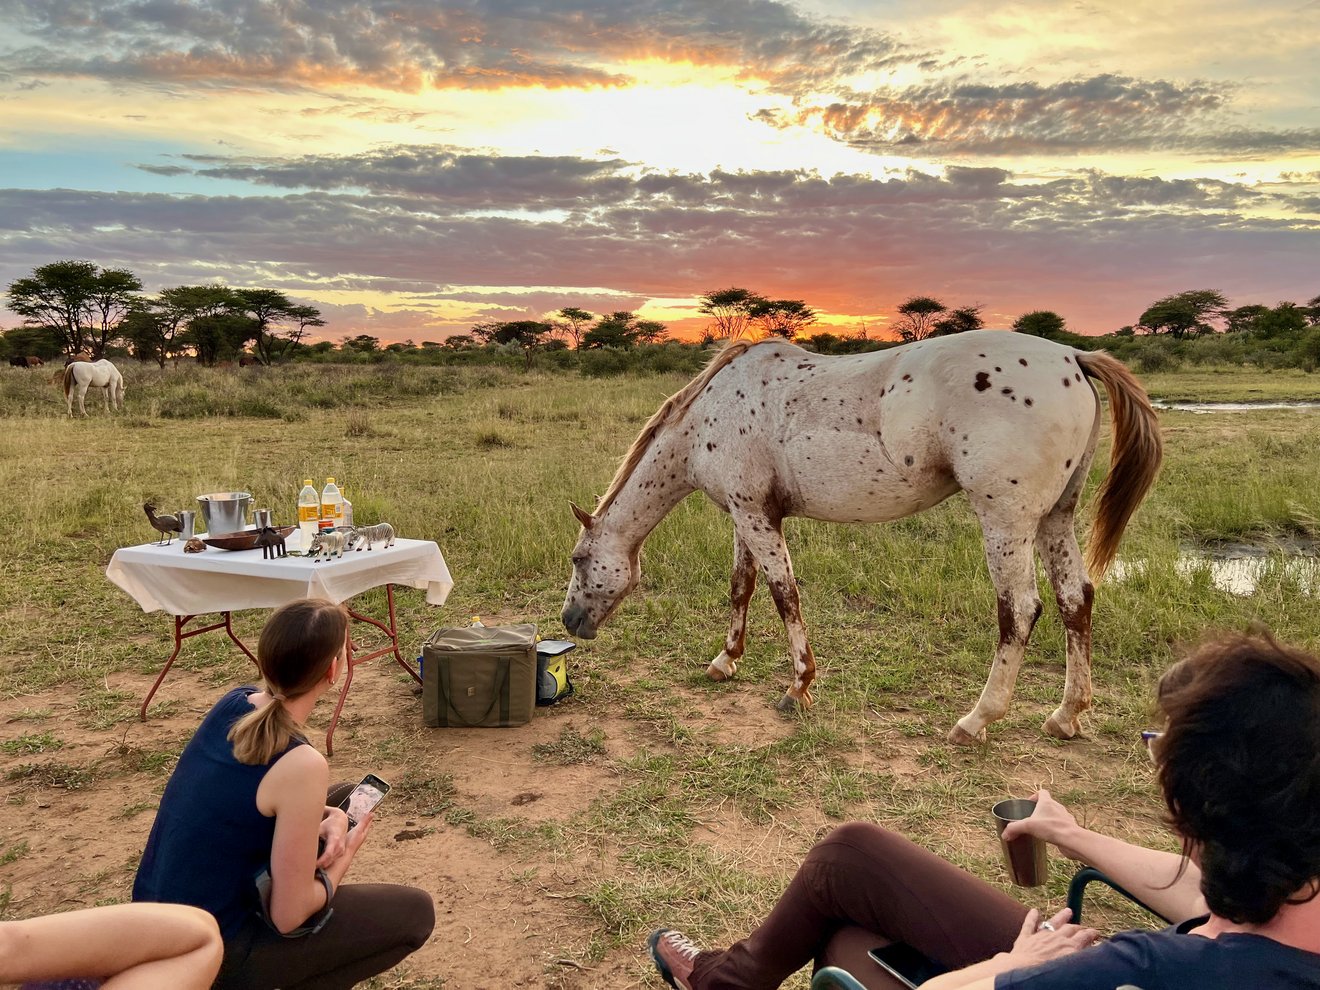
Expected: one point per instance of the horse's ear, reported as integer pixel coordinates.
(583, 516)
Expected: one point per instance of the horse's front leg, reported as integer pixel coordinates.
(741, 586)
(1013, 571)
(764, 538)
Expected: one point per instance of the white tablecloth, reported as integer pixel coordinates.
(166, 578)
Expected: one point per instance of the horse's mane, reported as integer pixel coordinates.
(674, 406)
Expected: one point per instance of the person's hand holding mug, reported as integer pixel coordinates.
(1051, 822)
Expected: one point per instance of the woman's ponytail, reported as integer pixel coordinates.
(261, 735)
(298, 644)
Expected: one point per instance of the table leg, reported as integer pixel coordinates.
(343, 696)
(180, 621)
(392, 631)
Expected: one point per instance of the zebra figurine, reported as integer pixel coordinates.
(328, 544)
(380, 533)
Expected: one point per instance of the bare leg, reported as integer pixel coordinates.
(1057, 544)
(1013, 571)
(742, 584)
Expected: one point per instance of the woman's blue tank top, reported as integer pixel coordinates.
(209, 840)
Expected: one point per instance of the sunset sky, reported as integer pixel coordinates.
(413, 168)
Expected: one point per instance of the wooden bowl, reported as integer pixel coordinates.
(243, 540)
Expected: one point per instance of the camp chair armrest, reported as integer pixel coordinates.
(834, 978)
(1089, 874)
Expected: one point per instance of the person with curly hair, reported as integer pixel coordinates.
(1239, 771)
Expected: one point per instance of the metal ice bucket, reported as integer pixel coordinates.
(224, 512)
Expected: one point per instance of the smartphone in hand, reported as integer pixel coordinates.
(364, 798)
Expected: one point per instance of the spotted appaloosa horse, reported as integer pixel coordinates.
(79, 376)
(769, 430)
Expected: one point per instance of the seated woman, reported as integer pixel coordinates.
(249, 794)
(119, 947)
(1239, 768)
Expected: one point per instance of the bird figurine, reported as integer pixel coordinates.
(167, 526)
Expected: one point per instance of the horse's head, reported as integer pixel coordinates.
(605, 569)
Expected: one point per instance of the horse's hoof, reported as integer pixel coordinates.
(1059, 729)
(789, 704)
(722, 668)
(961, 737)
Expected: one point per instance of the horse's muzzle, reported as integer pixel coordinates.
(575, 620)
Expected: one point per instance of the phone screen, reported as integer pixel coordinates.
(364, 798)
(906, 963)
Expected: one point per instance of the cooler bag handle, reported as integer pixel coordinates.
(501, 697)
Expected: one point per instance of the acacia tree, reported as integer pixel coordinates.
(650, 331)
(1184, 313)
(917, 318)
(268, 309)
(620, 329)
(57, 297)
(573, 323)
(185, 305)
(730, 308)
(785, 318)
(959, 321)
(1041, 323)
(114, 295)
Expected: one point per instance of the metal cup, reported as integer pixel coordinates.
(1025, 856)
(187, 520)
(261, 518)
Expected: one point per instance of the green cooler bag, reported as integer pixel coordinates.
(479, 676)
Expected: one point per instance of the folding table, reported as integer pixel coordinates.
(188, 585)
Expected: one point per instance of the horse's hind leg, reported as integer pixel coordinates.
(82, 399)
(1013, 571)
(741, 586)
(1056, 542)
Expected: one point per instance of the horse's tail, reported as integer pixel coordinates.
(68, 379)
(1134, 457)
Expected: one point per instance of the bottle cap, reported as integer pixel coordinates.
(329, 481)
(307, 482)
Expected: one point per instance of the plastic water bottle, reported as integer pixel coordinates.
(476, 621)
(348, 509)
(332, 505)
(309, 511)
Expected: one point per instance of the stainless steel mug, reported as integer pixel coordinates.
(261, 518)
(1025, 856)
(187, 520)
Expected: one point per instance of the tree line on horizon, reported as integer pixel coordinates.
(75, 307)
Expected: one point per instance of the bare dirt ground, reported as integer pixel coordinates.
(508, 913)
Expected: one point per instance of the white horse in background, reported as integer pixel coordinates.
(769, 430)
(79, 376)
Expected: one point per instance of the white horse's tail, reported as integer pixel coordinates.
(1134, 457)
(68, 379)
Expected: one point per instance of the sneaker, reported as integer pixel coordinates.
(673, 955)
